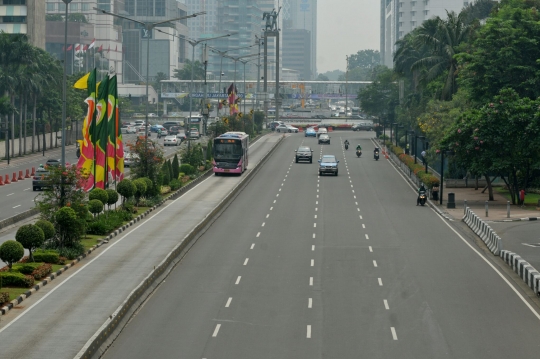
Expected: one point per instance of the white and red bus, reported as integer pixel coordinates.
(231, 153)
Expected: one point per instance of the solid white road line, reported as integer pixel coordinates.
(246, 261)
(370, 249)
(313, 247)
(375, 263)
(238, 279)
(367, 237)
(252, 245)
(308, 332)
(380, 282)
(17, 206)
(258, 234)
(310, 303)
(216, 330)
(394, 335)
(386, 305)
(26, 189)
(228, 302)
(313, 262)
(310, 281)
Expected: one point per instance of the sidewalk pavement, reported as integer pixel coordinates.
(497, 209)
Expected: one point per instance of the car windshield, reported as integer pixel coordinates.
(170, 137)
(328, 160)
(324, 136)
(304, 149)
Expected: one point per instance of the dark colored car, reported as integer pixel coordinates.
(364, 126)
(304, 153)
(328, 164)
(173, 130)
(53, 162)
(169, 124)
(40, 179)
(324, 138)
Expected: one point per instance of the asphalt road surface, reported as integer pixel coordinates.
(302, 266)
(522, 238)
(18, 197)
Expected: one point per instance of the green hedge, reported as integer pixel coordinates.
(16, 279)
(47, 256)
(419, 170)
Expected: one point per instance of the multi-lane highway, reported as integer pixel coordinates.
(18, 196)
(302, 266)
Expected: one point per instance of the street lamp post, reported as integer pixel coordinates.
(415, 150)
(394, 126)
(397, 134)
(64, 88)
(148, 26)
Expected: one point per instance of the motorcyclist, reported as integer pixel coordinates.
(375, 151)
(359, 148)
(346, 143)
(421, 189)
(159, 133)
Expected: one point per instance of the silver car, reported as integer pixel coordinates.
(171, 140)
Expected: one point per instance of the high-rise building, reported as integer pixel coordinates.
(399, 17)
(24, 17)
(297, 51)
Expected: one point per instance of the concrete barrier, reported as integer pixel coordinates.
(19, 217)
(526, 271)
(484, 231)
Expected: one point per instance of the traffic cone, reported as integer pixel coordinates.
(27, 173)
(33, 172)
(1, 181)
(7, 181)
(21, 177)
(14, 179)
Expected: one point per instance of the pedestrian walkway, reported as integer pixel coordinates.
(33, 157)
(476, 200)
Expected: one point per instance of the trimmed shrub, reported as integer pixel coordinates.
(30, 236)
(16, 279)
(25, 268)
(99, 194)
(175, 167)
(95, 206)
(175, 184)
(42, 271)
(112, 197)
(11, 252)
(71, 252)
(47, 228)
(47, 256)
(187, 169)
(140, 189)
(106, 224)
(149, 186)
(4, 297)
(126, 188)
(68, 226)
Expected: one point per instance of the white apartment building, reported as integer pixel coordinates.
(399, 17)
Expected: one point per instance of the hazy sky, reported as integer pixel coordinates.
(343, 28)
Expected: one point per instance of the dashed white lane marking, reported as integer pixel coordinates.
(313, 262)
(313, 235)
(316, 202)
(238, 279)
(316, 209)
(228, 302)
(277, 195)
(310, 281)
(367, 237)
(375, 263)
(370, 249)
(246, 261)
(354, 197)
(252, 245)
(380, 282)
(315, 216)
(268, 215)
(280, 189)
(17, 206)
(258, 234)
(271, 208)
(356, 203)
(358, 209)
(317, 185)
(394, 335)
(282, 184)
(314, 225)
(310, 303)
(353, 191)
(386, 305)
(317, 190)
(317, 196)
(351, 186)
(312, 247)
(216, 331)
(26, 189)
(308, 335)
(7, 195)
(363, 225)
(361, 217)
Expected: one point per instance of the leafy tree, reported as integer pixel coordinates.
(54, 17)
(30, 237)
(478, 10)
(112, 197)
(140, 189)
(77, 17)
(148, 159)
(68, 227)
(47, 228)
(194, 156)
(365, 59)
(380, 97)
(169, 165)
(505, 54)
(95, 206)
(176, 166)
(165, 174)
(126, 188)
(11, 252)
(151, 189)
(185, 72)
(258, 119)
(99, 194)
(322, 77)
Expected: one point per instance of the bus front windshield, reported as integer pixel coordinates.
(228, 151)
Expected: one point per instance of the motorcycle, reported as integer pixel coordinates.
(376, 155)
(422, 198)
(78, 152)
(346, 146)
(358, 153)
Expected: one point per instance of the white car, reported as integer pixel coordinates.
(321, 131)
(129, 159)
(194, 133)
(171, 140)
(152, 115)
(129, 129)
(286, 128)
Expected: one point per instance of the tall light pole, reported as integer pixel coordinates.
(64, 88)
(346, 83)
(148, 26)
(258, 39)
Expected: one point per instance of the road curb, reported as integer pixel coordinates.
(112, 327)
(19, 217)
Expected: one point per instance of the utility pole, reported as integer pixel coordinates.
(346, 83)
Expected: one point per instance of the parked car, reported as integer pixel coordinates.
(286, 128)
(324, 138)
(364, 126)
(152, 115)
(171, 140)
(53, 162)
(40, 179)
(321, 130)
(310, 132)
(304, 153)
(274, 124)
(328, 164)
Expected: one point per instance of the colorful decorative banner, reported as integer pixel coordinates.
(86, 160)
(115, 147)
(101, 134)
